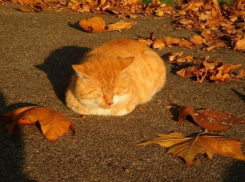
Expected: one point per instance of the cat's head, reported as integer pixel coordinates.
(103, 81)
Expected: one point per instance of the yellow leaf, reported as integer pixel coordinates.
(186, 72)
(121, 25)
(188, 147)
(166, 140)
(240, 44)
(158, 44)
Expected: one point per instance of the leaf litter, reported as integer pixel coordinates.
(220, 26)
(199, 70)
(202, 143)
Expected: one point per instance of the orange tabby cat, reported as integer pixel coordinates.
(115, 77)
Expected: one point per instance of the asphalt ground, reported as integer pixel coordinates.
(36, 54)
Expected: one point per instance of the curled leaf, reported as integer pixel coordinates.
(53, 124)
(186, 72)
(93, 25)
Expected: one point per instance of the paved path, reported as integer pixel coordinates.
(36, 53)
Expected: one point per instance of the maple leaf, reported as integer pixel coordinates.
(188, 147)
(211, 120)
(53, 124)
(120, 25)
(93, 25)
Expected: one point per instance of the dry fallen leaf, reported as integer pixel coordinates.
(241, 74)
(211, 120)
(240, 44)
(53, 124)
(188, 147)
(120, 25)
(158, 44)
(197, 39)
(93, 25)
(186, 72)
(199, 70)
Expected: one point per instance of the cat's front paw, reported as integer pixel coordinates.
(121, 112)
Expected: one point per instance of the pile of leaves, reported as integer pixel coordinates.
(199, 70)
(221, 27)
(160, 43)
(202, 143)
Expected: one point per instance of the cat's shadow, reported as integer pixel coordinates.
(58, 67)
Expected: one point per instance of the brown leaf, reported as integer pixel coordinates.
(197, 39)
(211, 120)
(220, 77)
(241, 74)
(169, 41)
(121, 25)
(186, 44)
(188, 147)
(33, 8)
(166, 140)
(146, 41)
(121, 12)
(177, 58)
(210, 145)
(240, 44)
(158, 44)
(186, 72)
(208, 35)
(211, 44)
(53, 124)
(93, 25)
(229, 68)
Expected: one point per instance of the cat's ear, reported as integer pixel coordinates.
(125, 62)
(80, 71)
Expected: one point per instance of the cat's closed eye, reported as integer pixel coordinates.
(96, 94)
(120, 90)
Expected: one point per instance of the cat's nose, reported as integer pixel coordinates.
(109, 100)
(110, 103)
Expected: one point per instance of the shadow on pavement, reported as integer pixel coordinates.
(58, 67)
(11, 149)
(236, 172)
(240, 95)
